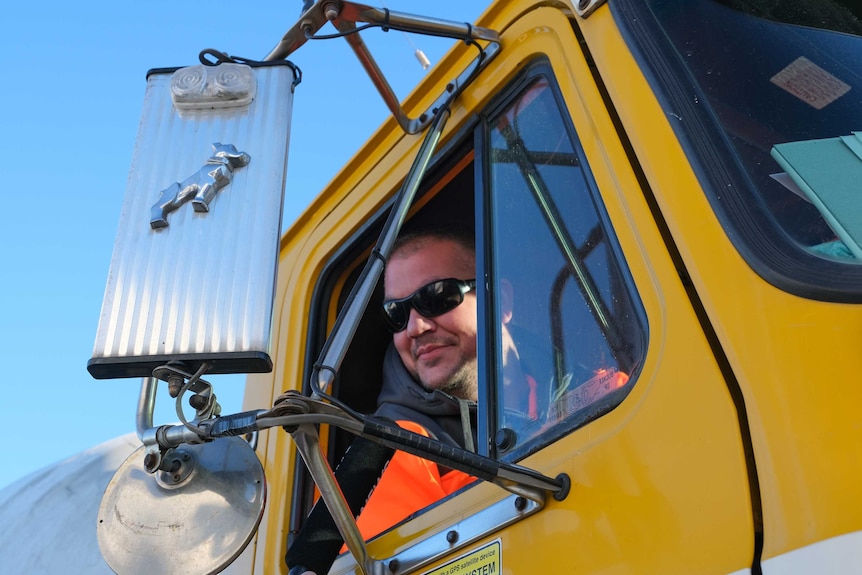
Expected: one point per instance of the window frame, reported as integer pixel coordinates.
(331, 286)
(538, 67)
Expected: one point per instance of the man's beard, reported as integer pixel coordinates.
(462, 383)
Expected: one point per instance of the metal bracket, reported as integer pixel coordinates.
(468, 531)
(586, 7)
(306, 439)
(345, 16)
(159, 441)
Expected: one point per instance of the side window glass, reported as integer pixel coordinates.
(570, 336)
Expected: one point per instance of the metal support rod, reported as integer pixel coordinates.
(545, 202)
(325, 11)
(409, 125)
(417, 24)
(376, 75)
(146, 406)
(165, 436)
(345, 15)
(294, 410)
(307, 442)
(175, 435)
(349, 318)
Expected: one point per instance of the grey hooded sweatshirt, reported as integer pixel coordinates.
(403, 398)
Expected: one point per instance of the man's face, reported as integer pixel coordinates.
(439, 352)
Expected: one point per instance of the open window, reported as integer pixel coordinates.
(445, 199)
(562, 332)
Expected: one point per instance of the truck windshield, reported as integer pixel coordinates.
(766, 98)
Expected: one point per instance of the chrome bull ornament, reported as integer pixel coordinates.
(203, 185)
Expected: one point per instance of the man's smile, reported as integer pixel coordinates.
(428, 351)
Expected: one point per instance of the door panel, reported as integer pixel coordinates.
(659, 482)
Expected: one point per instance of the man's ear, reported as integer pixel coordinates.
(507, 300)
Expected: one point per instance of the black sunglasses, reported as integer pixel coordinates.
(431, 300)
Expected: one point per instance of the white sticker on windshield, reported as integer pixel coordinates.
(810, 83)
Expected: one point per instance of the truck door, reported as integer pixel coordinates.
(580, 299)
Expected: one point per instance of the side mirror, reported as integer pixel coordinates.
(195, 515)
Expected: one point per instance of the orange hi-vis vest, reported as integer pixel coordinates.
(408, 484)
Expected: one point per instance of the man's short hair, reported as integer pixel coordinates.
(411, 235)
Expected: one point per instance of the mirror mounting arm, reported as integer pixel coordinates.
(346, 15)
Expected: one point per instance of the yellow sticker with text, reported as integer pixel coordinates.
(485, 560)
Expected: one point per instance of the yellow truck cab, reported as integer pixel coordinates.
(618, 169)
(662, 198)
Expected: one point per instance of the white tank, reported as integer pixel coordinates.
(48, 518)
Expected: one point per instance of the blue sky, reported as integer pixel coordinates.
(73, 86)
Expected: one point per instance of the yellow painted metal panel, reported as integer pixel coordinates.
(660, 482)
(793, 357)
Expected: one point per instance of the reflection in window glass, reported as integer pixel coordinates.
(775, 83)
(745, 80)
(570, 339)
